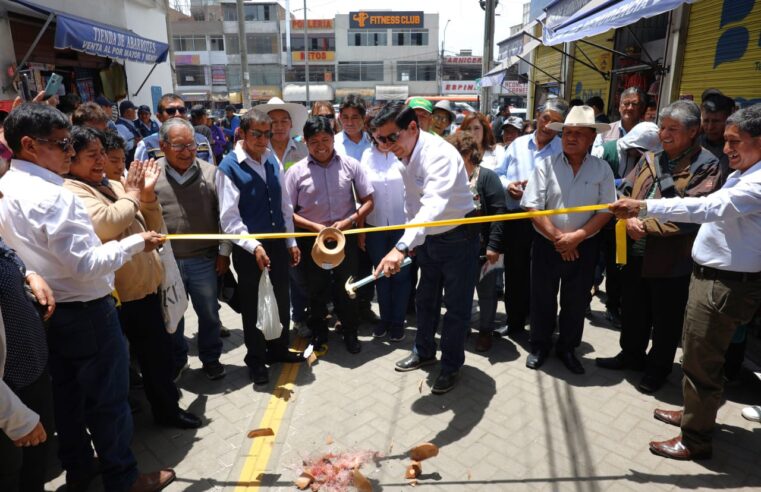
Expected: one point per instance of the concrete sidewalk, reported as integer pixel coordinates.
(504, 427)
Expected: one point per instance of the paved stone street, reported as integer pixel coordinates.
(504, 427)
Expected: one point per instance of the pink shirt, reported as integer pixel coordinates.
(325, 194)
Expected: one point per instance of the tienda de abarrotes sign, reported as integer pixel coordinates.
(384, 20)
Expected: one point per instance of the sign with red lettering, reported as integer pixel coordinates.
(463, 60)
(312, 24)
(298, 56)
(459, 87)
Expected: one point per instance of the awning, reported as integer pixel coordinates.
(360, 91)
(559, 12)
(94, 38)
(392, 92)
(512, 50)
(611, 14)
(298, 93)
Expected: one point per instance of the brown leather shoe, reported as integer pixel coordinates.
(153, 481)
(484, 342)
(676, 450)
(671, 417)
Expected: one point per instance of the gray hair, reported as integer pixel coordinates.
(685, 112)
(747, 120)
(167, 126)
(636, 91)
(558, 105)
(254, 117)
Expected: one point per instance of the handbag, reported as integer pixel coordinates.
(174, 299)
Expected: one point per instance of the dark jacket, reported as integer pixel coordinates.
(491, 196)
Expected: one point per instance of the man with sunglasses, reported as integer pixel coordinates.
(252, 199)
(53, 235)
(436, 187)
(171, 106)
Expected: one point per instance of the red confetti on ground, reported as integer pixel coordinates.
(334, 472)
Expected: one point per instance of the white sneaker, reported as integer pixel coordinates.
(752, 413)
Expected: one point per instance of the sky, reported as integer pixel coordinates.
(465, 31)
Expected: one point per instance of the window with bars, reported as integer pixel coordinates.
(316, 42)
(216, 43)
(251, 12)
(415, 71)
(317, 73)
(191, 74)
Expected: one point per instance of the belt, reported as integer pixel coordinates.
(709, 273)
(82, 304)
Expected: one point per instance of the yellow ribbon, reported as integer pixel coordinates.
(620, 227)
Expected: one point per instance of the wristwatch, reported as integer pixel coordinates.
(402, 248)
(642, 210)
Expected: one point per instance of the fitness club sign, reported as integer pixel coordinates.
(369, 20)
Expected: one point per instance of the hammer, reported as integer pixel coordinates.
(351, 287)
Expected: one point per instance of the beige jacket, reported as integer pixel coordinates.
(142, 275)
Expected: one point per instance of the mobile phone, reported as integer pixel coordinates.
(53, 86)
(26, 95)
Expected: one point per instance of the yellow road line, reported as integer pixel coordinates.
(261, 448)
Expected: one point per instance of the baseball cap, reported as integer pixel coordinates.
(513, 121)
(422, 103)
(103, 101)
(143, 109)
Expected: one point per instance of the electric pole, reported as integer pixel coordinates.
(306, 54)
(245, 96)
(489, 7)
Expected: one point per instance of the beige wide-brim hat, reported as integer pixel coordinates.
(328, 248)
(582, 117)
(297, 111)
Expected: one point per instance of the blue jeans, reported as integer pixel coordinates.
(199, 275)
(447, 261)
(89, 368)
(393, 292)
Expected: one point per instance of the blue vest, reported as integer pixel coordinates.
(260, 204)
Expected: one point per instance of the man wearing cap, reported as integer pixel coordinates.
(171, 106)
(564, 253)
(442, 118)
(126, 127)
(287, 119)
(108, 107)
(230, 123)
(511, 129)
(514, 171)
(144, 123)
(423, 109)
(504, 114)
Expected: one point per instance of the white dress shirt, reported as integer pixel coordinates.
(346, 146)
(730, 237)
(229, 195)
(436, 187)
(519, 161)
(384, 171)
(492, 158)
(51, 232)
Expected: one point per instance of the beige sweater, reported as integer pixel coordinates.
(118, 219)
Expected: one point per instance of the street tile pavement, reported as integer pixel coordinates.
(504, 427)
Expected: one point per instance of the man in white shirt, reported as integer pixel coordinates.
(436, 187)
(725, 288)
(52, 233)
(252, 199)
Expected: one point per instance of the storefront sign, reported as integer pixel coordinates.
(187, 59)
(459, 87)
(265, 92)
(369, 20)
(298, 56)
(515, 87)
(218, 76)
(463, 60)
(107, 41)
(312, 24)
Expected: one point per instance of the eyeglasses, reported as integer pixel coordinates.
(329, 116)
(64, 144)
(390, 139)
(258, 134)
(440, 117)
(180, 147)
(173, 111)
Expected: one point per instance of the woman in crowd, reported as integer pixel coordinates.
(118, 210)
(491, 152)
(384, 172)
(324, 108)
(489, 199)
(116, 156)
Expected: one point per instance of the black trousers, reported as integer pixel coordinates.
(365, 294)
(319, 283)
(143, 323)
(23, 469)
(258, 350)
(519, 235)
(613, 275)
(574, 279)
(652, 307)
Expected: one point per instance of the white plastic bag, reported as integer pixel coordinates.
(267, 317)
(174, 299)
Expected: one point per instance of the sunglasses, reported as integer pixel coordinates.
(258, 134)
(64, 144)
(173, 111)
(329, 116)
(391, 139)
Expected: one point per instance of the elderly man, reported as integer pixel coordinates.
(321, 188)
(253, 199)
(442, 118)
(565, 252)
(725, 288)
(52, 233)
(286, 118)
(187, 192)
(656, 276)
(512, 127)
(631, 107)
(436, 188)
(171, 106)
(423, 109)
(514, 171)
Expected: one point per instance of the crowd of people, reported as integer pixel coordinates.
(85, 209)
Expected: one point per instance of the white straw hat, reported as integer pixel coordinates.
(581, 117)
(297, 111)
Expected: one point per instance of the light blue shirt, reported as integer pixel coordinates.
(730, 237)
(344, 145)
(520, 159)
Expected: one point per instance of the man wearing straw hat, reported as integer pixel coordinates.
(287, 121)
(565, 251)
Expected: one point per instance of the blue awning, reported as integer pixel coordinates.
(612, 14)
(95, 38)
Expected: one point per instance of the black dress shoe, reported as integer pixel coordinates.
(536, 358)
(182, 420)
(445, 381)
(650, 384)
(259, 374)
(286, 357)
(352, 343)
(618, 363)
(569, 360)
(412, 362)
